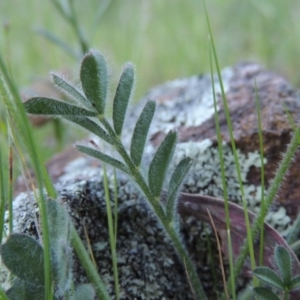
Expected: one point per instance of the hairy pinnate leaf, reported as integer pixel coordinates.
(262, 293)
(160, 163)
(94, 79)
(24, 290)
(295, 283)
(284, 264)
(140, 133)
(269, 276)
(24, 257)
(175, 183)
(60, 240)
(91, 126)
(49, 106)
(70, 91)
(84, 292)
(103, 157)
(122, 97)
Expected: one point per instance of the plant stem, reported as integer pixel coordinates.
(160, 213)
(88, 266)
(275, 185)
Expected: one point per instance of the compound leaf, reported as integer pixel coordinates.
(94, 79)
(70, 91)
(262, 293)
(90, 126)
(49, 106)
(122, 97)
(269, 276)
(295, 283)
(176, 180)
(24, 257)
(284, 264)
(103, 157)
(160, 163)
(24, 290)
(140, 133)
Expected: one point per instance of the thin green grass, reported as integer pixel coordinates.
(19, 119)
(262, 175)
(3, 192)
(112, 232)
(237, 164)
(223, 176)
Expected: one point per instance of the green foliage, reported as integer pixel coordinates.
(285, 282)
(69, 90)
(48, 106)
(175, 183)
(24, 290)
(160, 163)
(84, 292)
(122, 98)
(140, 133)
(105, 158)
(91, 126)
(94, 81)
(60, 237)
(24, 257)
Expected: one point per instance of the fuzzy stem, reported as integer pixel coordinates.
(275, 185)
(160, 213)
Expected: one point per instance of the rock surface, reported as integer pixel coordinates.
(187, 105)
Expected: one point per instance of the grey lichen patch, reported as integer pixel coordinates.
(25, 216)
(147, 264)
(205, 177)
(148, 267)
(183, 102)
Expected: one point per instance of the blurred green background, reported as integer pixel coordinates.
(165, 39)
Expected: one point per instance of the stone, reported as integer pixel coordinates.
(187, 106)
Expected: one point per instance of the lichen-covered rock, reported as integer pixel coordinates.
(198, 135)
(148, 266)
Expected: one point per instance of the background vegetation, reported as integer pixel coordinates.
(164, 39)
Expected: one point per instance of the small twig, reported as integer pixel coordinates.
(220, 254)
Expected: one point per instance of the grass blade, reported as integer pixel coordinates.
(3, 193)
(160, 163)
(69, 90)
(224, 185)
(233, 146)
(175, 183)
(59, 42)
(88, 266)
(94, 79)
(49, 106)
(140, 133)
(262, 174)
(91, 126)
(122, 98)
(103, 157)
(112, 237)
(19, 119)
